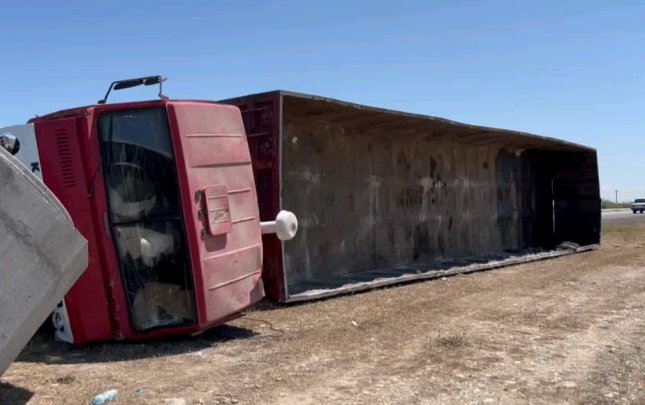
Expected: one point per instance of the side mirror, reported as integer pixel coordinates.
(140, 81)
(285, 226)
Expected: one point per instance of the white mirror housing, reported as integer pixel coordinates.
(285, 225)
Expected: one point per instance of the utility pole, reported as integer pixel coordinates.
(616, 196)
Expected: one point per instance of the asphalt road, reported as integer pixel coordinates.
(621, 216)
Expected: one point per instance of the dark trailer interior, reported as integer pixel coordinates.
(384, 197)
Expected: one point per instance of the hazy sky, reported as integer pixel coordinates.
(569, 69)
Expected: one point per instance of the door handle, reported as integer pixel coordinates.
(106, 225)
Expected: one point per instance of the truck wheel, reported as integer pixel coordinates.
(634, 211)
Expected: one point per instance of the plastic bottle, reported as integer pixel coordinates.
(107, 396)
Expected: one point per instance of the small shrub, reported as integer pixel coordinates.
(452, 341)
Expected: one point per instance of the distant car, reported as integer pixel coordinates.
(638, 205)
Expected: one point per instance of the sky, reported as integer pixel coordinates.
(573, 70)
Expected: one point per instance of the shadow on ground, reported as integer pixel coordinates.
(44, 349)
(10, 394)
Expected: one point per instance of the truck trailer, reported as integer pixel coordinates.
(385, 197)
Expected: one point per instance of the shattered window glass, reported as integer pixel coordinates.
(147, 225)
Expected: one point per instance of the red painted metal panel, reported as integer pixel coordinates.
(215, 207)
(106, 291)
(262, 122)
(211, 148)
(119, 317)
(62, 168)
(212, 156)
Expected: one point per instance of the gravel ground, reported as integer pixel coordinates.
(567, 330)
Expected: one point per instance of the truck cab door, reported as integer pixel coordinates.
(220, 207)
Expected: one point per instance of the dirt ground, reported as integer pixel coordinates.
(568, 330)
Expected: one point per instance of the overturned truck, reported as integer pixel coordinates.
(176, 200)
(163, 192)
(385, 197)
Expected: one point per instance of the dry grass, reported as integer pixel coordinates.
(452, 341)
(565, 330)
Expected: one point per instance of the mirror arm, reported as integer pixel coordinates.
(104, 99)
(142, 80)
(161, 95)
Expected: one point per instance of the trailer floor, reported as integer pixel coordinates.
(566, 330)
(348, 283)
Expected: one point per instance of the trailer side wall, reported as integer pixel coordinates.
(383, 194)
(373, 193)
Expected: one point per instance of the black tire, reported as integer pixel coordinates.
(641, 211)
(634, 211)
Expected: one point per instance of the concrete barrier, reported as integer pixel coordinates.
(41, 255)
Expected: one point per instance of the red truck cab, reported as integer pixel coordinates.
(164, 193)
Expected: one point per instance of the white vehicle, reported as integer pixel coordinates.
(638, 205)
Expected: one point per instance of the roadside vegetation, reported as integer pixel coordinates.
(608, 204)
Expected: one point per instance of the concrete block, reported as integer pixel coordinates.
(41, 255)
